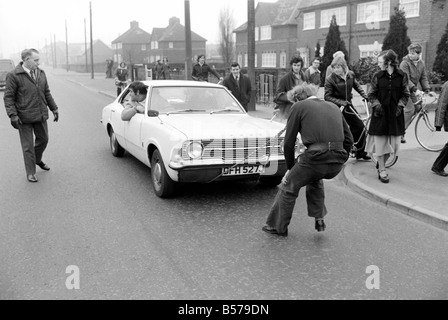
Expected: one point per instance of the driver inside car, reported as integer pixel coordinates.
(136, 103)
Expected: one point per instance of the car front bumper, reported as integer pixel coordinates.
(206, 174)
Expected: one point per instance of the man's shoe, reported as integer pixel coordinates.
(43, 166)
(32, 178)
(320, 225)
(440, 172)
(270, 230)
(363, 156)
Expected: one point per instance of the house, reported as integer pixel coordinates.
(276, 35)
(364, 24)
(170, 42)
(101, 52)
(132, 46)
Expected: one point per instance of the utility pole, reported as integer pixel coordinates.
(91, 41)
(55, 55)
(188, 46)
(251, 50)
(66, 43)
(85, 45)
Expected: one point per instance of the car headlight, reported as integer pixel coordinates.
(195, 150)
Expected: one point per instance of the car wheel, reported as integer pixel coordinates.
(164, 186)
(271, 181)
(115, 148)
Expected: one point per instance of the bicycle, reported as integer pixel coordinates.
(425, 131)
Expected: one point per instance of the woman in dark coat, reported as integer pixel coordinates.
(388, 95)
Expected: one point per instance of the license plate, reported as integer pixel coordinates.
(242, 170)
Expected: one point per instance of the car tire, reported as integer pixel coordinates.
(271, 181)
(115, 148)
(164, 186)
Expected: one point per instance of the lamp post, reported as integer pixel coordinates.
(91, 41)
(188, 46)
(251, 50)
(66, 43)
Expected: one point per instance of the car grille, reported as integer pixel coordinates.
(238, 150)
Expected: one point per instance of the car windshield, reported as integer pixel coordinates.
(172, 100)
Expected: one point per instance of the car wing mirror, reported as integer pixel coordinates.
(153, 113)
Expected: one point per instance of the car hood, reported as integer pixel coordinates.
(222, 126)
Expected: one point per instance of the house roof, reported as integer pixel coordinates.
(174, 32)
(309, 5)
(280, 13)
(134, 35)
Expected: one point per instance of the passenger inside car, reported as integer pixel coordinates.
(135, 100)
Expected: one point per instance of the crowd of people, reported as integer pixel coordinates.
(330, 128)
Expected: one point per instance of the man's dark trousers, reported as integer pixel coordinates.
(33, 151)
(302, 174)
(442, 160)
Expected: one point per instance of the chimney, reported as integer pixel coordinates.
(174, 20)
(134, 24)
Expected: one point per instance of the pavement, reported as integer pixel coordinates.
(414, 189)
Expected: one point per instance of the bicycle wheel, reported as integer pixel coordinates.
(389, 163)
(426, 133)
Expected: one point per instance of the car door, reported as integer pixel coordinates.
(118, 124)
(132, 133)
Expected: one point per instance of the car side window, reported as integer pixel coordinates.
(126, 97)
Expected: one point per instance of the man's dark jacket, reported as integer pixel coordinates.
(27, 99)
(241, 92)
(200, 73)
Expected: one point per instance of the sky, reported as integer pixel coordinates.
(31, 23)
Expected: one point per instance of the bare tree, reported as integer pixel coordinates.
(226, 27)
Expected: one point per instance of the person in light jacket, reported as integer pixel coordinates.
(415, 69)
(442, 121)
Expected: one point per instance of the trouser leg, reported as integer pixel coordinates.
(442, 160)
(41, 132)
(27, 142)
(409, 110)
(315, 199)
(281, 211)
(357, 129)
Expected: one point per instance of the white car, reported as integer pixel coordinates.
(196, 132)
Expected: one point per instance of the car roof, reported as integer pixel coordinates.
(180, 83)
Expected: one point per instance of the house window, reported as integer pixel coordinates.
(265, 33)
(143, 47)
(120, 45)
(410, 7)
(283, 59)
(256, 60)
(257, 33)
(171, 45)
(240, 59)
(246, 63)
(370, 50)
(326, 15)
(151, 59)
(268, 59)
(373, 11)
(309, 21)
